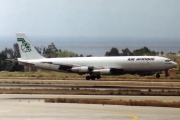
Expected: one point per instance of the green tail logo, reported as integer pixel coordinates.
(25, 47)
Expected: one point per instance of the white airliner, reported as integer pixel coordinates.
(92, 66)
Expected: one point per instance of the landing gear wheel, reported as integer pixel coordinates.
(157, 75)
(93, 77)
(88, 77)
(98, 76)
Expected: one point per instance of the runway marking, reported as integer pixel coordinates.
(134, 117)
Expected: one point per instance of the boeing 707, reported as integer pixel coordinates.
(94, 67)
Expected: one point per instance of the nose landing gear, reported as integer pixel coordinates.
(166, 74)
(158, 75)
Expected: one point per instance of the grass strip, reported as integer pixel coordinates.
(130, 102)
(77, 91)
(43, 74)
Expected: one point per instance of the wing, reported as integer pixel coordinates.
(90, 69)
(82, 69)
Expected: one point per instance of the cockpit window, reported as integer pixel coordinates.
(168, 60)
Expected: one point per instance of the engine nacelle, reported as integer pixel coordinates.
(83, 69)
(102, 71)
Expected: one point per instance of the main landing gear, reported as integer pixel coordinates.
(93, 77)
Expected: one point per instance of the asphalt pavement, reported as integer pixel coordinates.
(27, 107)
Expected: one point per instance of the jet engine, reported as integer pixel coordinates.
(102, 71)
(82, 69)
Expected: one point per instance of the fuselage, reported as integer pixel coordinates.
(126, 63)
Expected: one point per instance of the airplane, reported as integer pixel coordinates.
(94, 67)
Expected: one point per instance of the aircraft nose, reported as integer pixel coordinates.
(174, 64)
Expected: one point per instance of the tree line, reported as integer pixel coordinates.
(126, 52)
(52, 51)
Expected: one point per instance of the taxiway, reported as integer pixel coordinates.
(26, 106)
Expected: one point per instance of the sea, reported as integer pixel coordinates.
(99, 46)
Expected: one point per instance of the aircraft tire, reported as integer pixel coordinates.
(157, 75)
(98, 76)
(93, 77)
(88, 77)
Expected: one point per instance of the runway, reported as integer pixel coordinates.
(32, 106)
(105, 87)
(25, 106)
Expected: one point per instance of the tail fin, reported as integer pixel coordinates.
(26, 49)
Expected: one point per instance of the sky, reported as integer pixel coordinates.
(114, 19)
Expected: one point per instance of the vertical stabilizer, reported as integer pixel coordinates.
(26, 49)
